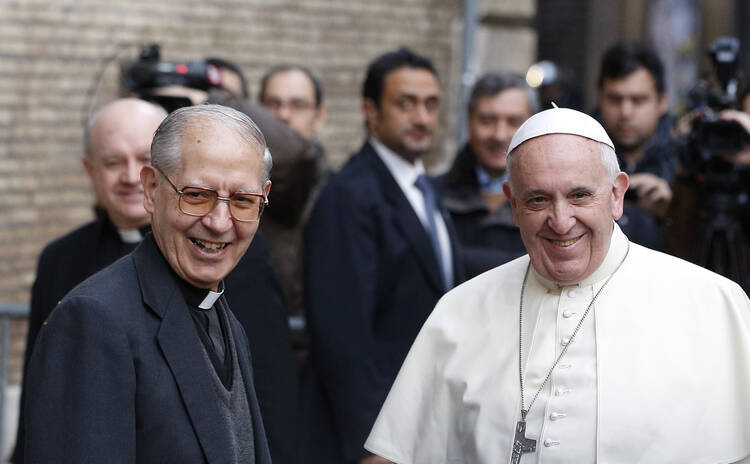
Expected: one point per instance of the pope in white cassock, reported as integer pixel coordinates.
(588, 349)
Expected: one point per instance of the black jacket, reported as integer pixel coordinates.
(371, 280)
(488, 239)
(117, 374)
(252, 293)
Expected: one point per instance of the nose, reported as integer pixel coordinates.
(626, 108)
(283, 113)
(422, 115)
(219, 219)
(503, 131)
(562, 218)
(131, 175)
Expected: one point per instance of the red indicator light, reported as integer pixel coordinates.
(181, 69)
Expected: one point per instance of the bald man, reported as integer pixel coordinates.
(117, 143)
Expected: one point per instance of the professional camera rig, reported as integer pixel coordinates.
(148, 72)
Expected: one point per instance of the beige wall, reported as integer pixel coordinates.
(51, 50)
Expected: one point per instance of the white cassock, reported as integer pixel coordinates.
(658, 373)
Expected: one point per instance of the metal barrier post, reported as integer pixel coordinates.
(7, 311)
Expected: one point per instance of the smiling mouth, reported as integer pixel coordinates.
(565, 243)
(211, 247)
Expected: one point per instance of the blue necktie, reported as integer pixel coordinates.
(430, 205)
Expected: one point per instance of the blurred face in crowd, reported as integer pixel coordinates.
(492, 124)
(630, 108)
(231, 82)
(119, 146)
(203, 250)
(407, 115)
(290, 95)
(564, 204)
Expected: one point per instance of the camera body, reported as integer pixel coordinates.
(711, 139)
(148, 72)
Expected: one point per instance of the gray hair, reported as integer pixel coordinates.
(88, 127)
(607, 156)
(166, 149)
(493, 83)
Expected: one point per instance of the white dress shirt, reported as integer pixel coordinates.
(405, 175)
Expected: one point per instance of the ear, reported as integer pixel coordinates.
(321, 114)
(88, 166)
(512, 200)
(618, 194)
(371, 112)
(663, 103)
(150, 181)
(267, 188)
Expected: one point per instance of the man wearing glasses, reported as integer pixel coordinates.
(144, 361)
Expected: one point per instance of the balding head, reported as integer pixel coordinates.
(117, 143)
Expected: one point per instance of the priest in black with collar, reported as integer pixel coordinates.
(144, 361)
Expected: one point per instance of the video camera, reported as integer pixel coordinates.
(711, 137)
(148, 72)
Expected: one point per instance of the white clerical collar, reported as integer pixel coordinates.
(130, 235)
(210, 299)
(618, 246)
(403, 171)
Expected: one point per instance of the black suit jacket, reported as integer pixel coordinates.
(117, 374)
(372, 279)
(252, 292)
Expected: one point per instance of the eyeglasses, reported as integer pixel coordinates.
(198, 201)
(294, 105)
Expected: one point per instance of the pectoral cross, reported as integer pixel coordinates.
(521, 444)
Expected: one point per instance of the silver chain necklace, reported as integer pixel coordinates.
(521, 444)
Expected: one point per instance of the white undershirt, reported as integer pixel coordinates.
(405, 175)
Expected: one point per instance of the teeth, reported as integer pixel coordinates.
(210, 246)
(566, 243)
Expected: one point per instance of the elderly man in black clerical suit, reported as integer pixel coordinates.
(144, 361)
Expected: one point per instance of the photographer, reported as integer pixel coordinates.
(711, 212)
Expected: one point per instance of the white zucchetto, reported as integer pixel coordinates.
(560, 121)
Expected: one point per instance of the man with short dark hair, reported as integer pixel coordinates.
(144, 361)
(473, 188)
(379, 254)
(633, 110)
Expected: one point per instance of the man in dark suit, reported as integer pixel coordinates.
(379, 254)
(144, 361)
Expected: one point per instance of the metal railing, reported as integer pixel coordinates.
(8, 311)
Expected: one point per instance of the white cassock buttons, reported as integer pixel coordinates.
(572, 293)
(565, 341)
(549, 442)
(568, 314)
(560, 391)
(557, 416)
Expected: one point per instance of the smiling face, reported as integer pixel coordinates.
(119, 146)
(407, 115)
(564, 204)
(203, 250)
(492, 124)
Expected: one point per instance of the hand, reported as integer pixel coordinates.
(374, 460)
(654, 193)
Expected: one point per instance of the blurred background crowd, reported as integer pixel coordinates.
(667, 78)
